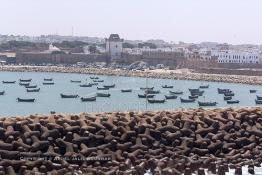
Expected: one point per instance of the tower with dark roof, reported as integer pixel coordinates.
(114, 46)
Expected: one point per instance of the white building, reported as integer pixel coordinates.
(114, 46)
(242, 57)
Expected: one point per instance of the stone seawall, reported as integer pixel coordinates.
(164, 142)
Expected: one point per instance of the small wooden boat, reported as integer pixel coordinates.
(170, 97)
(24, 84)
(8, 82)
(199, 93)
(75, 81)
(26, 99)
(94, 78)
(229, 94)
(68, 96)
(48, 83)
(152, 92)
(176, 92)
(48, 79)
(187, 100)
(193, 96)
(258, 102)
(259, 97)
(222, 91)
(85, 99)
(167, 86)
(102, 88)
(126, 90)
(227, 97)
(146, 88)
(2, 92)
(32, 86)
(232, 101)
(145, 95)
(25, 80)
(252, 91)
(98, 81)
(207, 103)
(204, 86)
(33, 90)
(103, 94)
(110, 86)
(150, 100)
(85, 85)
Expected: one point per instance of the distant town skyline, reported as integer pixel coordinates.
(190, 21)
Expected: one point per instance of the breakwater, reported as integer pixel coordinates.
(164, 142)
(254, 80)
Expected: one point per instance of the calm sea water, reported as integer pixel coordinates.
(48, 99)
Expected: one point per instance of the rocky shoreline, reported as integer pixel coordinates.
(252, 80)
(129, 143)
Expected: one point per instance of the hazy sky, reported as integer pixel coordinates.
(233, 21)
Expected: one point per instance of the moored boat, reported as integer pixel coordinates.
(170, 97)
(150, 100)
(258, 102)
(2, 92)
(8, 82)
(227, 97)
(252, 91)
(176, 92)
(48, 83)
(98, 81)
(167, 86)
(195, 93)
(146, 95)
(94, 84)
(193, 96)
(232, 101)
(33, 90)
(94, 78)
(259, 97)
(48, 79)
(98, 94)
(146, 88)
(85, 99)
(25, 80)
(152, 92)
(222, 91)
(110, 86)
(229, 94)
(68, 96)
(102, 88)
(193, 90)
(207, 103)
(85, 85)
(126, 90)
(32, 86)
(75, 81)
(187, 100)
(24, 84)
(204, 86)
(26, 99)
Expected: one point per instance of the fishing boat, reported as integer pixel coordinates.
(145, 95)
(258, 102)
(222, 91)
(193, 90)
(25, 80)
(126, 90)
(103, 94)
(94, 84)
(167, 86)
(207, 103)
(98, 81)
(48, 79)
(259, 97)
(85, 99)
(204, 86)
(32, 86)
(110, 86)
(102, 88)
(152, 92)
(8, 82)
(48, 83)
(2, 92)
(232, 101)
(68, 96)
(176, 92)
(193, 96)
(195, 93)
(33, 90)
(187, 100)
(75, 81)
(26, 99)
(229, 94)
(227, 97)
(170, 97)
(94, 78)
(85, 85)
(24, 84)
(150, 100)
(146, 88)
(252, 91)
